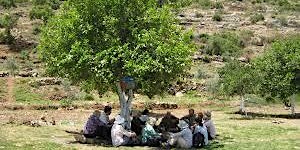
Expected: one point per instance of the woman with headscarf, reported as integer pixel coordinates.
(184, 138)
(149, 136)
(119, 135)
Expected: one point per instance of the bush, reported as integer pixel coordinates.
(24, 55)
(257, 17)
(217, 17)
(12, 66)
(41, 12)
(226, 43)
(7, 21)
(66, 102)
(7, 3)
(206, 4)
(36, 30)
(218, 5)
(245, 37)
(283, 21)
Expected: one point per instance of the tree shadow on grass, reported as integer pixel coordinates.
(254, 115)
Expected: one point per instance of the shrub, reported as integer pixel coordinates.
(218, 5)
(12, 66)
(36, 30)
(41, 12)
(7, 3)
(283, 21)
(226, 43)
(206, 4)
(257, 17)
(24, 55)
(245, 37)
(66, 102)
(7, 21)
(199, 15)
(217, 17)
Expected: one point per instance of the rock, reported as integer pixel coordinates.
(257, 41)
(3, 57)
(179, 94)
(245, 23)
(4, 74)
(48, 81)
(243, 59)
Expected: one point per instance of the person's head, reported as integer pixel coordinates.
(119, 120)
(97, 113)
(199, 121)
(200, 115)
(145, 112)
(168, 114)
(107, 110)
(151, 121)
(182, 124)
(207, 115)
(191, 112)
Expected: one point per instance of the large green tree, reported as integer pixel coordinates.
(97, 43)
(279, 69)
(237, 78)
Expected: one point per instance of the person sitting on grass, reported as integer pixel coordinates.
(168, 123)
(119, 135)
(190, 118)
(200, 137)
(182, 139)
(208, 123)
(105, 123)
(149, 136)
(93, 125)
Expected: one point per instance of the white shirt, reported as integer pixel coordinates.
(187, 135)
(203, 131)
(104, 118)
(117, 135)
(210, 128)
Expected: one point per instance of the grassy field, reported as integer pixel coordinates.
(235, 131)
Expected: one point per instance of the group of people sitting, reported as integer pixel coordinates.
(192, 130)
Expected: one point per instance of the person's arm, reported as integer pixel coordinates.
(127, 133)
(103, 118)
(178, 134)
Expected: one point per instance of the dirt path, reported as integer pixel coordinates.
(10, 88)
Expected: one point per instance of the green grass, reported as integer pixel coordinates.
(234, 133)
(24, 95)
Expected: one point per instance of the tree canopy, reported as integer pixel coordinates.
(96, 43)
(279, 68)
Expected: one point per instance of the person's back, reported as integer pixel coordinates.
(208, 123)
(202, 130)
(92, 126)
(119, 135)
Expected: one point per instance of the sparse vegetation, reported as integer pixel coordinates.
(7, 21)
(217, 16)
(12, 66)
(226, 43)
(43, 12)
(7, 3)
(256, 17)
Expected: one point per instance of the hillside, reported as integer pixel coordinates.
(248, 28)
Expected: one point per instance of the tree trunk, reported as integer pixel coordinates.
(242, 105)
(293, 104)
(125, 104)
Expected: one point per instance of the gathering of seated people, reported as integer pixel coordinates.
(192, 130)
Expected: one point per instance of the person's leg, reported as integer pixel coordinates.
(181, 143)
(89, 135)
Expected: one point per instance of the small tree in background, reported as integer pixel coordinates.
(279, 70)
(237, 79)
(12, 66)
(95, 44)
(7, 21)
